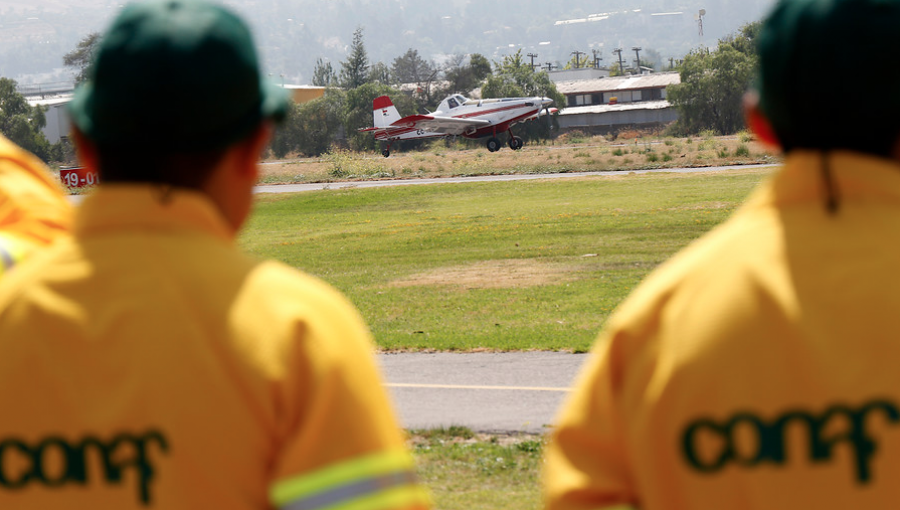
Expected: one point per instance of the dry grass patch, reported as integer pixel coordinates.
(568, 153)
(493, 274)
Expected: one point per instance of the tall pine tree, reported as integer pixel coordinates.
(355, 70)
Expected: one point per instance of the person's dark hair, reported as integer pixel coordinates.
(809, 102)
(178, 76)
(177, 169)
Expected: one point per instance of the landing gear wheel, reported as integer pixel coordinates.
(493, 145)
(516, 143)
(385, 153)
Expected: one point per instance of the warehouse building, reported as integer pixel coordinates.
(609, 104)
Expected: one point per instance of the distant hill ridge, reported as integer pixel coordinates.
(292, 34)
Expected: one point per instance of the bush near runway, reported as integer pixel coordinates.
(571, 152)
(498, 266)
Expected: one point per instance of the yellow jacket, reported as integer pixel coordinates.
(146, 362)
(758, 368)
(33, 209)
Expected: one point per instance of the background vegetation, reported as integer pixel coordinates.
(713, 84)
(22, 124)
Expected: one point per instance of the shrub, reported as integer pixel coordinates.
(617, 152)
(345, 164)
(706, 145)
(652, 157)
(742, 151)
(577, 137)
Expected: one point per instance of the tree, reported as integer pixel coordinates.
(462, 77)
(514, 77)
(576, 62)
(381, 73)
(355, 70)
(323, 74)
(480, 66)
(710, 95)
(82, 57)
(22, 123)
(412, 69)
(310, 128)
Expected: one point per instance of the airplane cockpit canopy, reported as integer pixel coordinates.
(454, 101)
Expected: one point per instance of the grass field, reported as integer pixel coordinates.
(465, 471)
(502, 266)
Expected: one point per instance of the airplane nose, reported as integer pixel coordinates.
(546, 101)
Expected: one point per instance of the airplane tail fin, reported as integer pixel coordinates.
(384, 112)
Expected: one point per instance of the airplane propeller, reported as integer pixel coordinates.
(545, 110)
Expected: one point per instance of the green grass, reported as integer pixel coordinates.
(507, 266)
(484, 473)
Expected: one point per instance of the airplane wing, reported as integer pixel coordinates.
(438, 124)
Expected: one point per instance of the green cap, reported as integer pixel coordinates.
(177, 76)
(827, 68)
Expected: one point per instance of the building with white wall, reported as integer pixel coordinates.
(58, 124)
(606, 104)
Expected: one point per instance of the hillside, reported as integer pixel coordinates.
(292, 34)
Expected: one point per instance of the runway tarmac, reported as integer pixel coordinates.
(487, 392)
(294, 188)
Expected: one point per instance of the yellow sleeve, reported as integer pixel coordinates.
(586, 463)
(33, 208)
(344, 450)
(12, 250)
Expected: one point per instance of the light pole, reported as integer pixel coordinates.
(618, 51)
(578, 55)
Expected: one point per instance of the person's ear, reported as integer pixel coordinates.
(255, 145)
(758, 122)
(86, 151)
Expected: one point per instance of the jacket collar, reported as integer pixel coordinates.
(114, 207)
(806, 174)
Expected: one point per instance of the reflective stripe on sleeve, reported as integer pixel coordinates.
(10, 253)
(380, 481)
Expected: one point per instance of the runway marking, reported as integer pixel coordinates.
(475, 387)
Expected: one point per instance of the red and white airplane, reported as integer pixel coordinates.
(458, 115)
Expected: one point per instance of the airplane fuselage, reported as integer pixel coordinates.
(458, 116)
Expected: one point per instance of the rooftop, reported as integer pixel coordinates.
(621, 107)
(644, 81)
